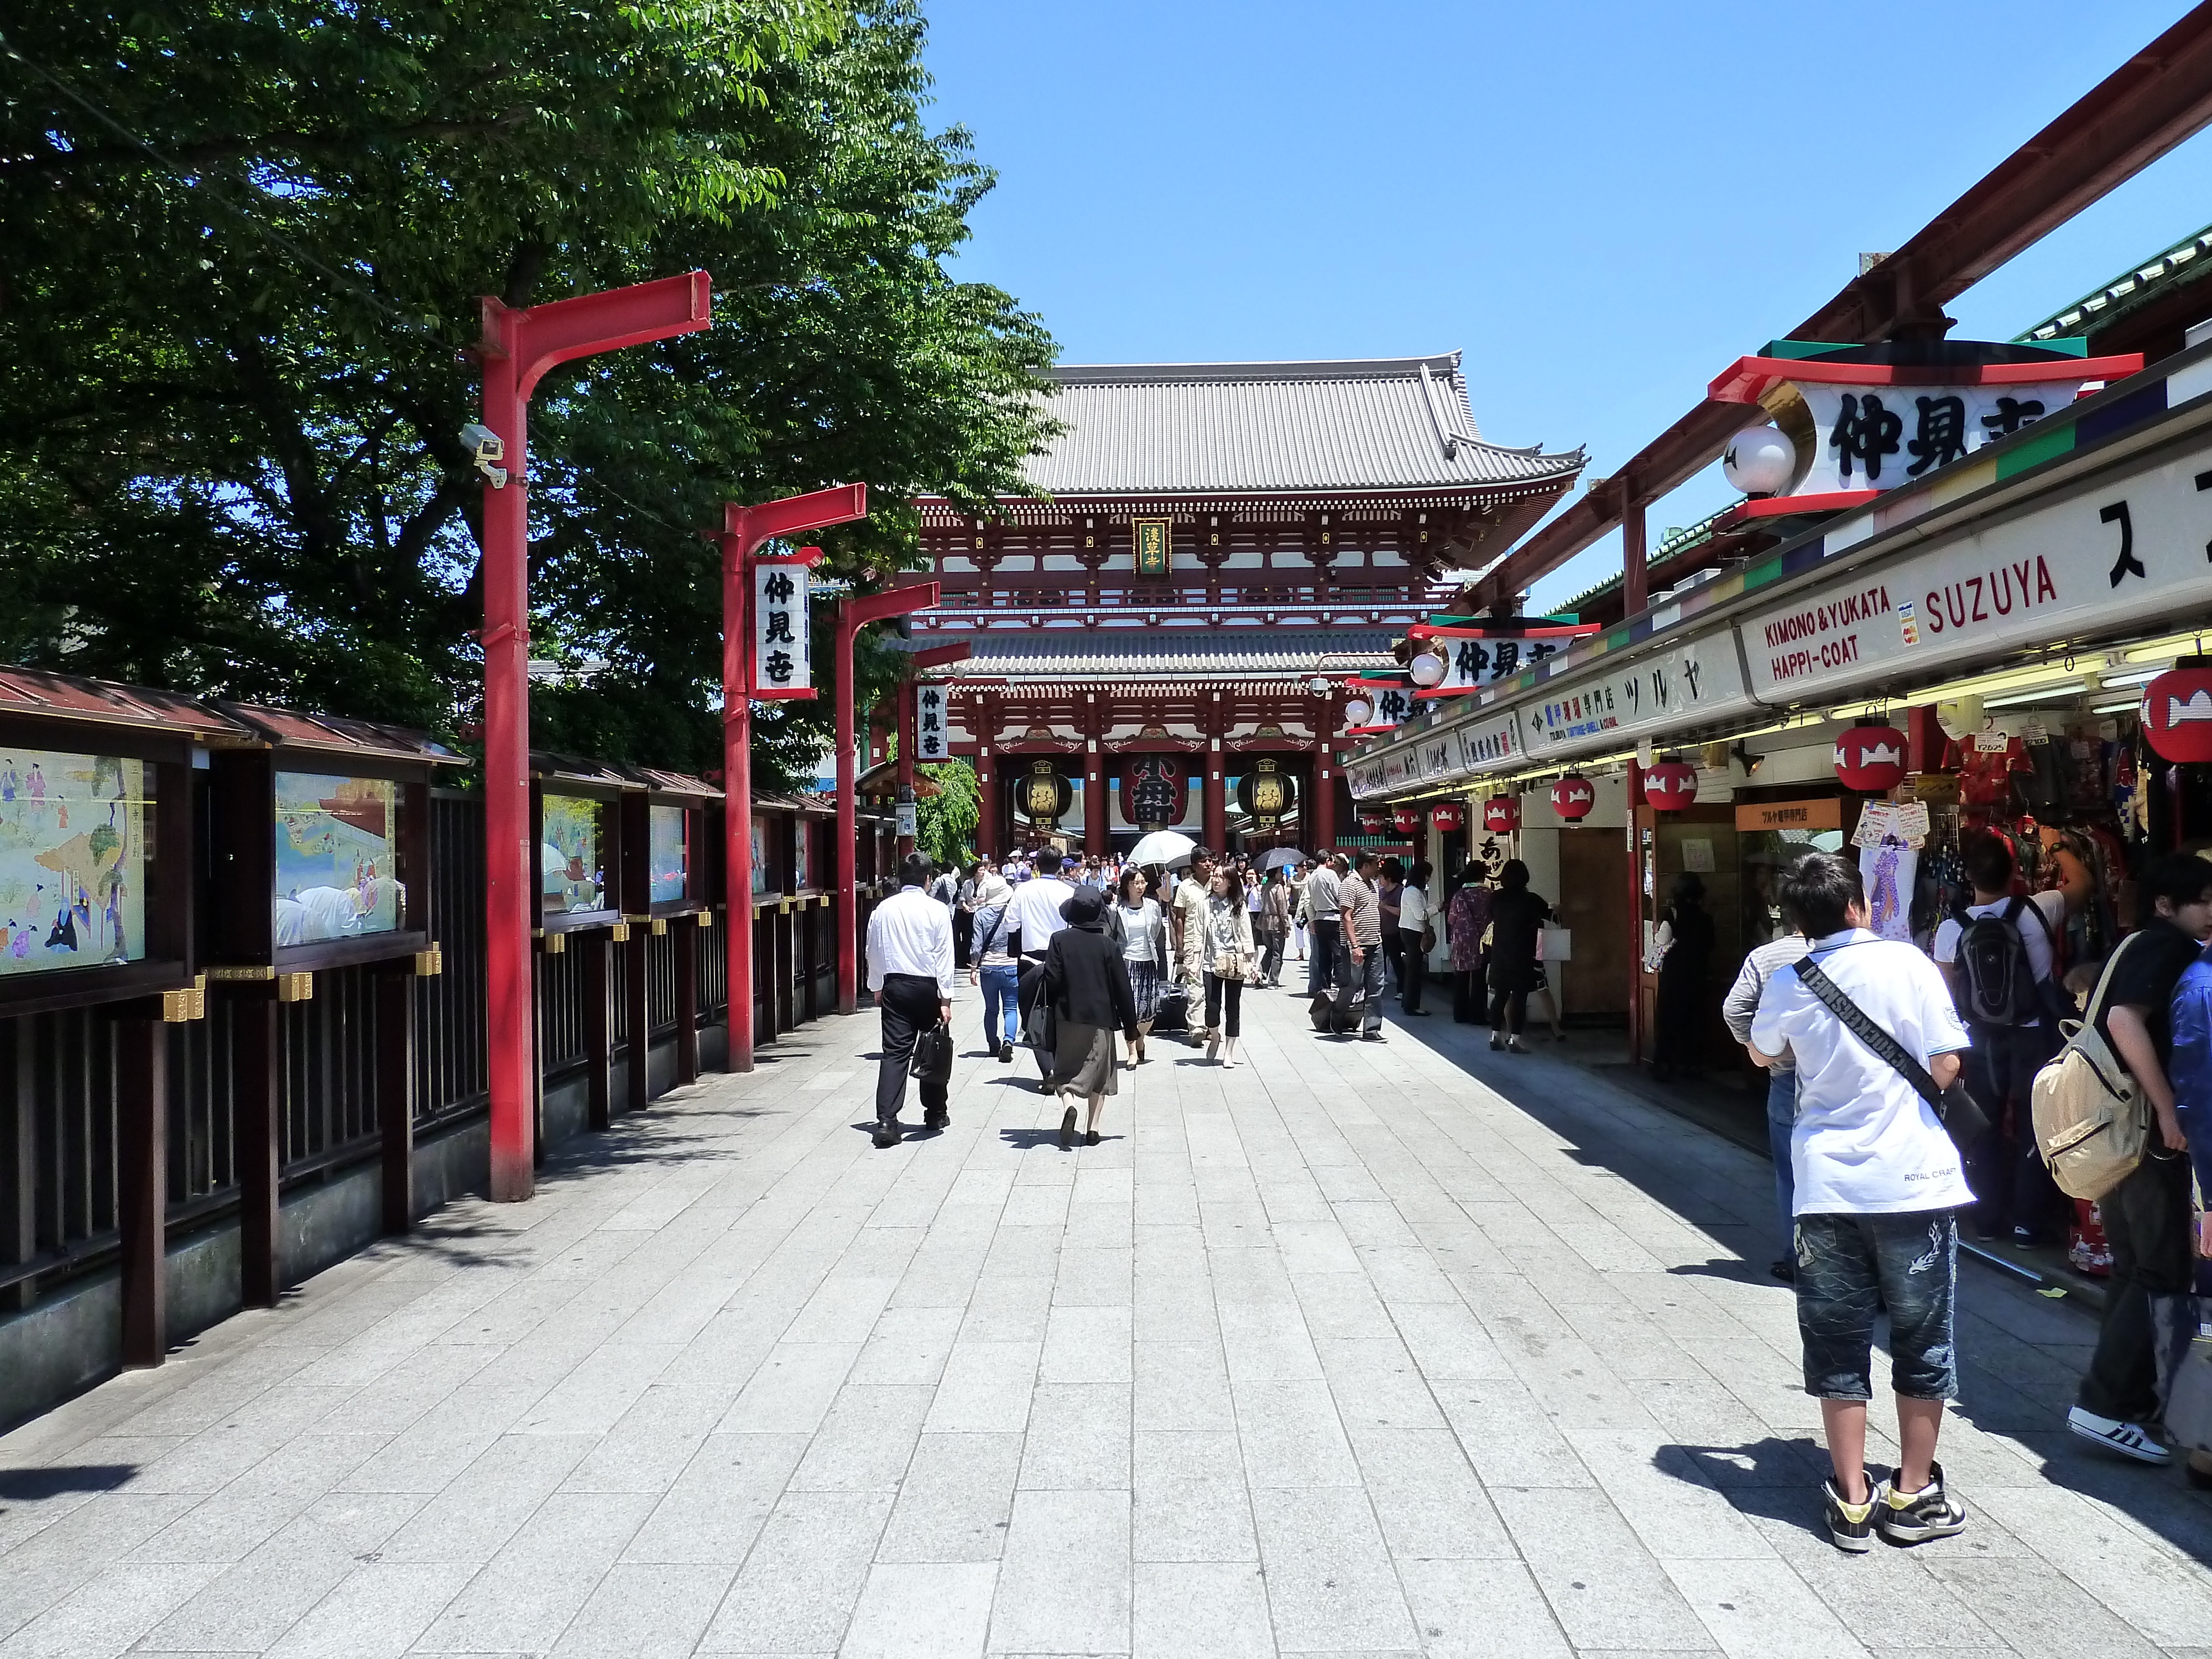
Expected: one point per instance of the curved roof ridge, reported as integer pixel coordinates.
(1319, 368)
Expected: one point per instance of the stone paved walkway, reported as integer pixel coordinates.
(1360, 1349)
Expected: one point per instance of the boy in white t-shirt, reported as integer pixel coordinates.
(1878, 1188)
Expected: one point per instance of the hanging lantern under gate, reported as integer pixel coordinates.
(1871, 756)
(1501, 814)
(1572, 797)
(1670, 785)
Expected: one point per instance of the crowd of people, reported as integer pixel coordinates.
(1863, 1039)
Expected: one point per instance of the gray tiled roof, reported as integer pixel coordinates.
(1084, 653)
(1380, 423)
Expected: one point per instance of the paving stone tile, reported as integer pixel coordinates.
(1330, 1582)
(718, 1505)
(1200, 1610)
(799, 1584)
(865, 1441)
(1078, 1437)
(1191, 1502)
(1489, 1609)
(985, 1388)
(110, 1612)
(956, 1500)
(1064, 1582)
(523, 1601)
(1430, 1504)
(376, 1612)
(907, 1609)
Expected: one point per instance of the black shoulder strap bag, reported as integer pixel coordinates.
(1955, 1110)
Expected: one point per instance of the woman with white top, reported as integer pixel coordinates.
(1416, 938)
(1228, 962)
(1144, 929)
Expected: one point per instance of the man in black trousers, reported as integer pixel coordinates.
(910, 971)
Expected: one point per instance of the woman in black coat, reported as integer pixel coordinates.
(1086, 984)
(1684, 943)
(1516, 923)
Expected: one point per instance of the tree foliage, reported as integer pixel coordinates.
(945, 824)
(232, 371)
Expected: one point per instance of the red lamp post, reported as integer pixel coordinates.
(853, 615)
(517, 348)
(743, 530)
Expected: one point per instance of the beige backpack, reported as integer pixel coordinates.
(2092, 1123)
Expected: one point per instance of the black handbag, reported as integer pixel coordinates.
(1958, 1111)
(932, 1051)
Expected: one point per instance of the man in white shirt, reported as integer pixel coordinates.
(1878, 1186)
(910, 971)
(1321, 925)
(1041, 906)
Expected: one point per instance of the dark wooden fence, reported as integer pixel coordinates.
(60, 1171)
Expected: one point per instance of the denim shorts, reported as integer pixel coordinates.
(1849, 1267)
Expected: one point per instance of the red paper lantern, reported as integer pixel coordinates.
(1670, 785)
(1501, 814)
(1871, 758)
(1407, 819)
(1572, 797)
(2177, 712)
(1449, 816)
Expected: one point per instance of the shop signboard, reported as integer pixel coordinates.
(2131, 550)
(1825, 813)
(1440, 758)
(1876, 437)
(1662, 693)
(1486, 745)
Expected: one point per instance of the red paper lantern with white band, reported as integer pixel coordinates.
(1449, 816)
(1407, 820)
(1870, 759)
(1572, 797)
(1501, 814)
(1670, 785)
(2177, 712)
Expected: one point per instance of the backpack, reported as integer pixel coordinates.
(1997, 984)
(2091, 1123)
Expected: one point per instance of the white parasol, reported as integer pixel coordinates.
(1166, 848)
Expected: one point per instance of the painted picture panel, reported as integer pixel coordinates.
(668, 853)
(74, 842)
(762, 883)
(336, 858)
(574, 855)
(802, 859)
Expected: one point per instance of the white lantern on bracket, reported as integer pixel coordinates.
(1358, 711)
(1759, 460)
(1429, 665)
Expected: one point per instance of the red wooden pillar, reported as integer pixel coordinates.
(1635, 897)
(986, 793)
(1321, 798)
(1097, 799)
(905, 695)
(1216, 798)
(1635, 580)
(142, 1091)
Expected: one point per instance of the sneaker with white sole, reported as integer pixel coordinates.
(2115, 1435)
(1915, 1517)
(1850, 1525)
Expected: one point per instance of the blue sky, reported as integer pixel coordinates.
(1601, 204)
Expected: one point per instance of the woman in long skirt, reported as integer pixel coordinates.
(1145, 951)
(1087, 984)
(1229, 964)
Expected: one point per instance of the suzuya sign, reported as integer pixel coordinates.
(1660, 693)
(2132, 551)
(782, 660)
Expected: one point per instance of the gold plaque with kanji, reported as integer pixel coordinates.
(1154, 541)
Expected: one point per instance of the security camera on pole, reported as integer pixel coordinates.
(761, 667)
(517, 349)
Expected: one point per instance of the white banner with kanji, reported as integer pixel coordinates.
(781, 664)
(932, 739)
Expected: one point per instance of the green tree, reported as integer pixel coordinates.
(232, 374)
(945, 824)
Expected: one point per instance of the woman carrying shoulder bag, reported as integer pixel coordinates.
(1228, 962)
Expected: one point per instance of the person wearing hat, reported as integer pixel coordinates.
(1086, 985)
